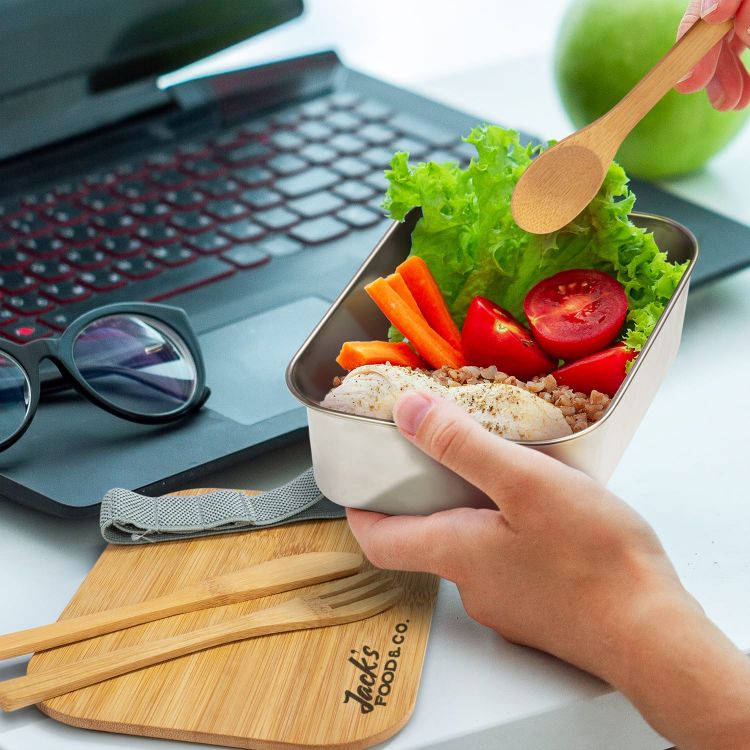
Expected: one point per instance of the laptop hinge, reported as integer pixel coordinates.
(241, 93)
(26, 127)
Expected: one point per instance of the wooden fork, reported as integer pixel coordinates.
(262, 579)
(345, 600)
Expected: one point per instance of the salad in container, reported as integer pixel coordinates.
(556, 341)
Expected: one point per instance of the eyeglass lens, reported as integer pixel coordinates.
(14, 396)
(136, 363)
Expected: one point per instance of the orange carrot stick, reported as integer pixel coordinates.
(397, 283)
(418, 277)
(357, 353)
(432, 347)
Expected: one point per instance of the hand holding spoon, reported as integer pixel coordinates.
(564, 179)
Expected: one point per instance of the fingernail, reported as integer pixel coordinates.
(410, 410)
(708, 7)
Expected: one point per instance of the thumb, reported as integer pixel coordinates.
(448, 434)
(427, 544)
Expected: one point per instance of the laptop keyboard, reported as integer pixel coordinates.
(198, 212)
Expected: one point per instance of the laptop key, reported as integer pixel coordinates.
(242, 230)
(30, 303)
(50, 270)
(347, 144)
(344, 99)
(133, 189)
(16, 281)
(171, 281)
(78, 234)
(416, 149)
(202, 167)
(150, 210)
(380, 135)
(416, 127)
(262, 197)
(102, 279)
(316, 204)
(65, 212)
(353, 190)
(441, 156)
(137, 267)
(317, 153)
(219, 187)
(251, 176)
(372, 110)
(245, 256)
(65, 291)
(174, 254)
(279, 245)
(286, 140)
(208, 242)
(25, 329)
(87, 257)
(313, 179)
(316, 108)
(157, 233)
(28, 224)
(350, 166)
(99, 201)
(315, 231)
(10, 258)
(358, 216)
(43, 247)
(253, 151)
(378, 181)
(315, 131)
(286, 164)
(342, 121)
(184, 198)
(113, 222)
(121, 245)
(226, 209)
(378, 157)
(191, 221)
(276, 218)
(168, 178)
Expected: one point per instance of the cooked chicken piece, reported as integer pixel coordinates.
(507, 410)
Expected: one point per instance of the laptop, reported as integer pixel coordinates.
(248, 199)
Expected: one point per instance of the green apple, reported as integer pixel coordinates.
(604, 48)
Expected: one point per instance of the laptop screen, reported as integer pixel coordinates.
(114, 42)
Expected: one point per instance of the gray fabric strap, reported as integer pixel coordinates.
(129, 518)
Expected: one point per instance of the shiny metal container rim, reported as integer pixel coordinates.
(684, 281)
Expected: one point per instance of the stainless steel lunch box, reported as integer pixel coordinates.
(366, 463)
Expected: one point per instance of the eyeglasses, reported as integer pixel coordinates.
(138, 361)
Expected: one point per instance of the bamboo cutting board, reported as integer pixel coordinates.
(348, 686)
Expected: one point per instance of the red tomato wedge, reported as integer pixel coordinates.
(492, 336)
(603, 371)
(575, 313)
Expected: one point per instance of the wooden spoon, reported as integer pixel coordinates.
(563, 180)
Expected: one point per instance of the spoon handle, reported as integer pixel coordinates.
(682, 58)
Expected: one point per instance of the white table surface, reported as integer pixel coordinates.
(685, 472)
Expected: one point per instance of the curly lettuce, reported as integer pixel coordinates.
(471, 243)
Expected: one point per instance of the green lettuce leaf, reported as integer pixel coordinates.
(471, 243)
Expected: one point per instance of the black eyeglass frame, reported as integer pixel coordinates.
(59, 350)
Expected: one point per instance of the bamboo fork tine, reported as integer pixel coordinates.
(309, 611)
(263, 579)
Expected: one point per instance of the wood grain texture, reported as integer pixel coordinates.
(272, 692)
(563, 180)
(269, 577)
